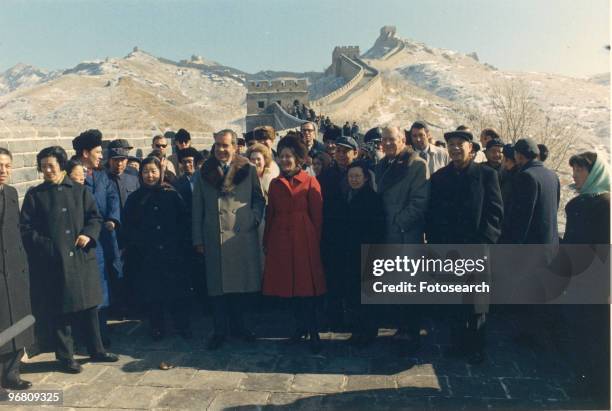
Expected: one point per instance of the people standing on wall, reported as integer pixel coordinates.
(228, 205)
(465, 207)
(266, 135)
(373, 138)
(156, 235)
(160, 142)
(15, 280)
(168, 177)
(182, 140)
(354, 130)
(495, 156)
(310, 133)
(402, 180)
(293, 267)
(60, 226)
(332, 133)
(510, 169)
(76, 171)
(346, 129)
(88, 148)
(419, 137)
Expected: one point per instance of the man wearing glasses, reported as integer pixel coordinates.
(160, 143)
(309, 137)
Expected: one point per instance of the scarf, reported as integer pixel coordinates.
(598, 181)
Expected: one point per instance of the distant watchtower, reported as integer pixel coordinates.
(260, 94)
(351, 52)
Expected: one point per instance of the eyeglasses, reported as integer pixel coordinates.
(161, 145)
(308, 130)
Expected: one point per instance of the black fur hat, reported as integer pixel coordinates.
(87, 140)
(332, 133)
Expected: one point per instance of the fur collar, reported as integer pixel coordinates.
(213, 173)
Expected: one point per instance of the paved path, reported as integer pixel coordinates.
(269, 374)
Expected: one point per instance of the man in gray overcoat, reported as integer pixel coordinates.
(228, 205)
(14, 280)
(402, 180)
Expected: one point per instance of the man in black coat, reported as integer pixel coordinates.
(465, 208)
(15, 284)
(309, 137)
(60, 226)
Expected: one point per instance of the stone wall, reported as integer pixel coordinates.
(26, 143)
(350, 67)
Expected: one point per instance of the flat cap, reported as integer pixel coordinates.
(466, 135)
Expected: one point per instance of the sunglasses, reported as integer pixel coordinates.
(161, 145)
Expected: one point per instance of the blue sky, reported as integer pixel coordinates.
(559, 36)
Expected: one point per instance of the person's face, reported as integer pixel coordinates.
(188, 165)
(134, 164)
(224, 149)
(93, 157)
(240, 149)
(484, 140)
(345, 156)
(509, 164)
(6, 166)
(77, 174)
(330, 147)
(317, 166)
(287, 160)
(459, 150)
(420, 138)
(150, 174)
(181, 145)
(392, 143)
(117, 165)
(50, 168)
(580, 175)
(356, 178)
(308, 134)
(495, 155)
(257, 159)
(161, 144)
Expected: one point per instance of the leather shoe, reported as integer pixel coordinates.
(17, 384)
(70, 366)
(215, 342)
(103, 357)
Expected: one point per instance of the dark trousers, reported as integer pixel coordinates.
(9, 365)
(87, 323)
(467, 329)
(179, 311)
(227, 313)
(305, 311)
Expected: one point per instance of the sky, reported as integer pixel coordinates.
(556, 36)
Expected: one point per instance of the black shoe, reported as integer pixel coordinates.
(315, 343)
(17, 384)
(215, 342)
(245, 335)
(103, 357)
(70, 366)
(186, 334)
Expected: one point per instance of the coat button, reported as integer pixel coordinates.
(59, 189)
(155, 208)
(71, 254)
(158, 227)
(64, 210)
(67, 231)
(161, 247)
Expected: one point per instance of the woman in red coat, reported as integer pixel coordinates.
(292, 234)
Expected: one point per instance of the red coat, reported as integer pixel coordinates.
(291, 238)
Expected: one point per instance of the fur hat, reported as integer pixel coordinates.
(189, 152)
(87, 140)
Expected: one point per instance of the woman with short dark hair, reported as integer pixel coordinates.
(294, 215)
(60, 225)
(156, 236)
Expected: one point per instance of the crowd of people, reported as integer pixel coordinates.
(280, 219)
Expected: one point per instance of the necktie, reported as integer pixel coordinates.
(423, 155)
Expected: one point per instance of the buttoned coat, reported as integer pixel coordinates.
(15, 275)
(403, 183)
(226, 211)
(64, 278)
(294, 219)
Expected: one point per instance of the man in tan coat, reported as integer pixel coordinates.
(228, 205)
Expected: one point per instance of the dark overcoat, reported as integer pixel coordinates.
(106, 196)
(64, 278)
(471, 215)
(15, 275)
(532, 215)
(157, 236)
(588, 219)
(293, 265)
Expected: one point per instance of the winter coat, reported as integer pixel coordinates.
(532, 216)
(107, 200)
(588, 219)
(227, 209)
(465, 206)
(156, 230)
(64, 278)
(403, 183)
(293, 265)
(14, 275)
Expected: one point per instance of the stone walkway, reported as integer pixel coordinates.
(269, 374)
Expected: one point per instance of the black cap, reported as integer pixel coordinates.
(332, 133)
(189, 152)
(466, 135)
(118, 152)
(373, 134)
(136, 159)
(182, 135)
(495, 143)
(87, 140)
(120, 143)
(348, 142)
(527, 147)
(509, 151)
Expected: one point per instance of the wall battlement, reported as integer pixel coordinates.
(278, 86)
